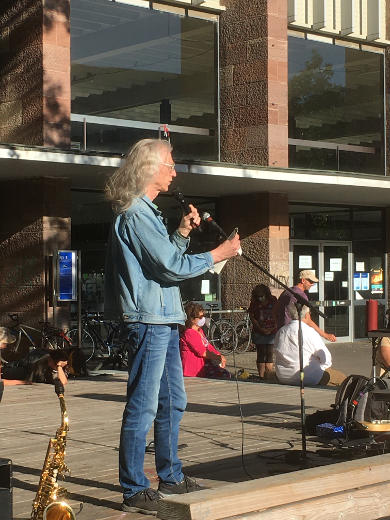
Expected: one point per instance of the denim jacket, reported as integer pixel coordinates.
(144, 265)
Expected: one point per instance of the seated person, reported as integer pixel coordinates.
(317, 359)
(383, 357)
(42, 366)
(6, 338)
(51, 365)
(198, 356)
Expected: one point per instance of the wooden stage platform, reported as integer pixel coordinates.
(210, 441)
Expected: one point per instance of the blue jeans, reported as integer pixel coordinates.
(155, 392)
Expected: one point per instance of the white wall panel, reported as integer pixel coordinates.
(363, 20)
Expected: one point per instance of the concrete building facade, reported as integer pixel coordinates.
(278, 115)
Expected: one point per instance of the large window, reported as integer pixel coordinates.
(91, 222)
(336, 107)
(134, 68)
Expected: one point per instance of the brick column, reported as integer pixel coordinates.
(262, 220)
(254, 85)
(35, 72)
(35, 216)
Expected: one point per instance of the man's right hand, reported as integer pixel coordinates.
(330, 337)
(227, 249)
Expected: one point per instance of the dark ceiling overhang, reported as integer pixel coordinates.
(89, 171)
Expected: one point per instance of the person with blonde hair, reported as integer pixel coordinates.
(144, 266)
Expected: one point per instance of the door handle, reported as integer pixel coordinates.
(335, 303)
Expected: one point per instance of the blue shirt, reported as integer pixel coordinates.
(144, 266)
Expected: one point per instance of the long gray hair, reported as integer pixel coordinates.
(137, 169)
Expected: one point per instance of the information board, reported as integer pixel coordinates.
(67, 276)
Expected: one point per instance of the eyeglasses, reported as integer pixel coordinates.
(171, 166)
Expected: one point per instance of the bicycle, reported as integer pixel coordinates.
(221, 332)
(94, 346)
(51, 338)
(244, 334)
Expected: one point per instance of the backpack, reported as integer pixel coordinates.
(359, 399)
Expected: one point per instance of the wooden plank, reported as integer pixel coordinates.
(245, 497)
(211, 429)
(367, 503)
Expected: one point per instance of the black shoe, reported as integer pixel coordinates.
(146, 501)
(187, 485)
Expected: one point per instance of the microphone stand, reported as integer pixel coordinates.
(300, 302)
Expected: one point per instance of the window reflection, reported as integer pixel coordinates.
(142, 65)
(336, 107)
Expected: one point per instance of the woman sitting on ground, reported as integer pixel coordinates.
(6, 339)
(199, 357)
(44, 366)
(383, 357)
(52, 365)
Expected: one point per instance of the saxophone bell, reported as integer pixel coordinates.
(58, 511)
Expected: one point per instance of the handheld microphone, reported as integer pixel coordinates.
(183, 203)
(206, 217)
(181, 200)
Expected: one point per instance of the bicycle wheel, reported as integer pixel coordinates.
(87, 342)
(244, 336)
(223, 336)
(118, 344)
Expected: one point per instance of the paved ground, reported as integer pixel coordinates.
(211, 433)
(211, 436)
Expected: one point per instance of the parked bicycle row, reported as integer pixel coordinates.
(103, 346)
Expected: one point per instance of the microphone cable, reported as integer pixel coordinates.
(246, 471)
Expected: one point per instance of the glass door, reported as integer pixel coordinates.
(332, 262)
(336, 278)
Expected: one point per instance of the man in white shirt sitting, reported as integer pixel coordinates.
(317, 359)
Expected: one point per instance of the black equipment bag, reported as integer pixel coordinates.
(359, 399)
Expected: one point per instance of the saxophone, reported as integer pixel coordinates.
(48, 504)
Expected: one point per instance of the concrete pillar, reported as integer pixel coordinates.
(262, 220)
(387, 253)
(35, 72)
(35, 222)
(387, 104)
(254, 83)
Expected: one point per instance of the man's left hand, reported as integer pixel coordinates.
(189, 222)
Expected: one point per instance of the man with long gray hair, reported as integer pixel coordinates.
(143, 268)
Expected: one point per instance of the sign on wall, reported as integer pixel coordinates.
(67, 276)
